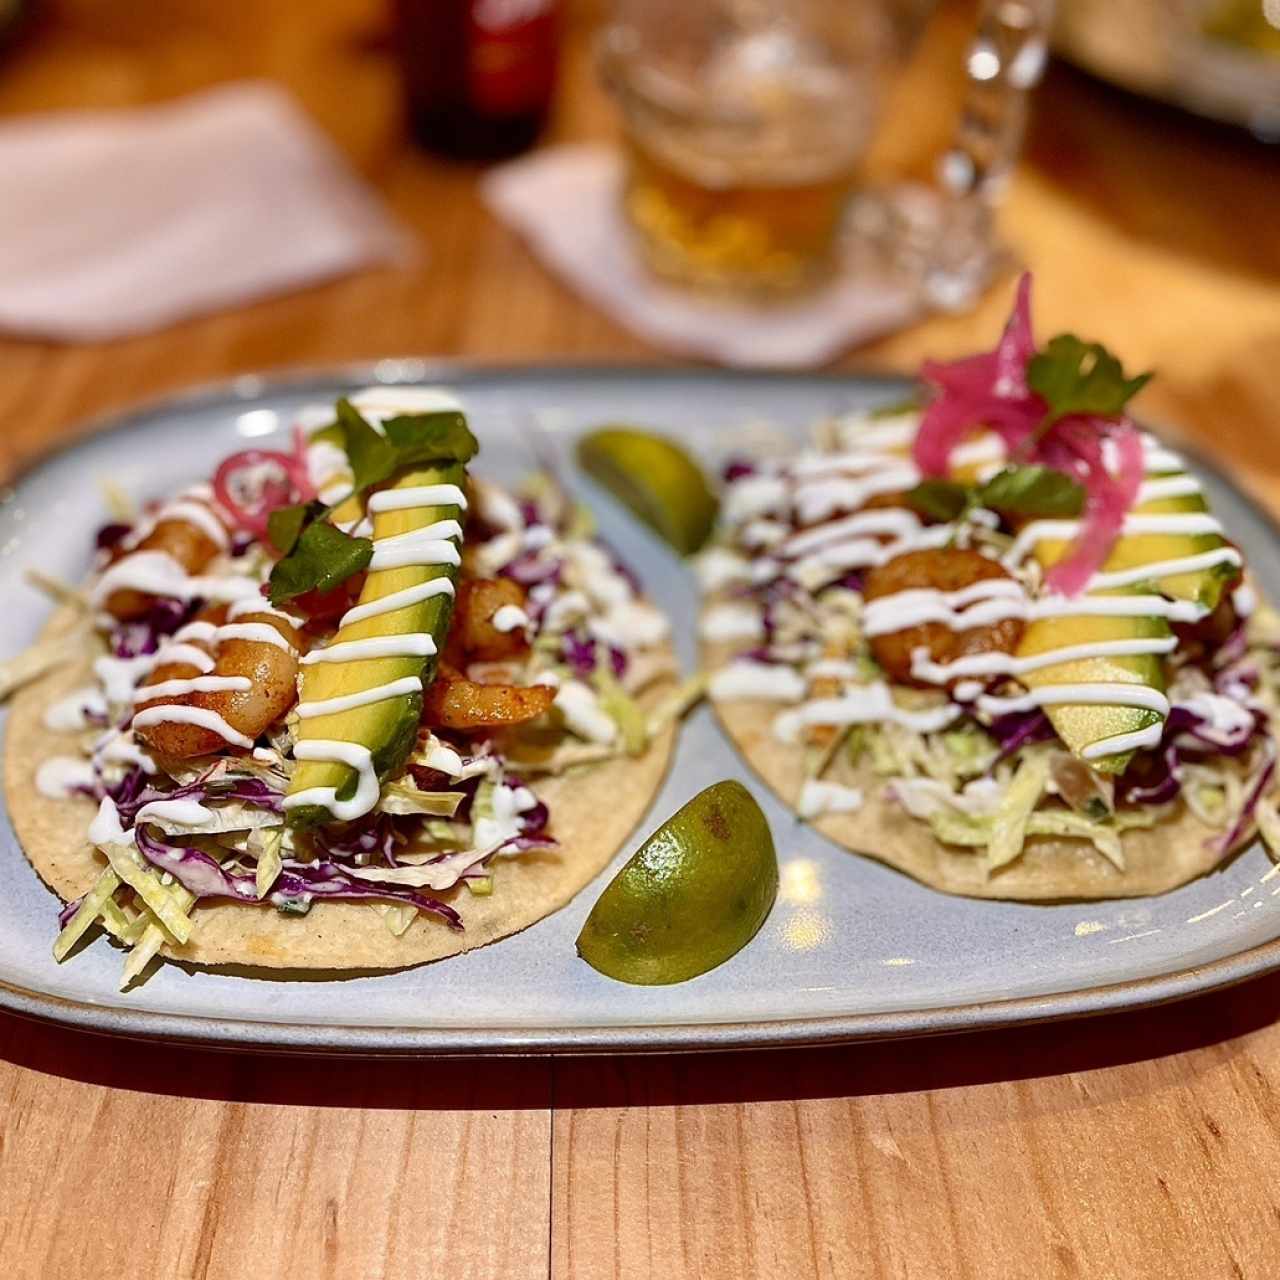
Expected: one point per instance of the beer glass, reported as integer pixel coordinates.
(746, 121)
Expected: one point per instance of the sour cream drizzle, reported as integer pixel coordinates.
(191, 506)
(433, 545)
(170, 713)
(158, 574)
(813, 488)
(354, 756)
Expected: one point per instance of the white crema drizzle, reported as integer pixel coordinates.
(435, 545)
(818, 487)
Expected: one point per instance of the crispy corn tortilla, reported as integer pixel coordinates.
(1050, 869)
(593, 811)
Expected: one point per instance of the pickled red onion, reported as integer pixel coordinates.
(1108, 499)
(989, 391)
(292, 485)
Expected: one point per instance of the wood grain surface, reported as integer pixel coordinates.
(1137, 1145)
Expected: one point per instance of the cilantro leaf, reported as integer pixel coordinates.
(322, 558)
(430, 437)
(1081, 377)
(319, 556)
(939, 499)
(1032, 491)
(372, 456)
(285, 524)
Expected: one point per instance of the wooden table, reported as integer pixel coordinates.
(1131, 1146)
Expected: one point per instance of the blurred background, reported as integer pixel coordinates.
(792, 183)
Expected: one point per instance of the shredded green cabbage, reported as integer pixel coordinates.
(58, 591)
(622, 709)
(120, 505)
(1268, 819)
(1009, 823)
(153, 938)
(397, 916)
(678, 704)
(269, 862)
(1057, 822)
(970, 750)
(87, 912)
(168, 903)
(29, 665)
(402, 798)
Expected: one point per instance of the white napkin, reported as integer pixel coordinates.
(117, 222)
(564, 201)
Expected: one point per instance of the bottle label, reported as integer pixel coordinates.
(511, 55)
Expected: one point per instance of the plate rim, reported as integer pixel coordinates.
(605, 1038)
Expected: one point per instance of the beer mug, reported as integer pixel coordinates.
(746, 121)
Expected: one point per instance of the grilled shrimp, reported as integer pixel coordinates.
(454, 702)
(473, 634)
(189, 530)
(940, 569)
(240, 649)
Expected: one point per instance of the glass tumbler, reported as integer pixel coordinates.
(746, 123)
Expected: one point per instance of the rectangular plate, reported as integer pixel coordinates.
(852, 949)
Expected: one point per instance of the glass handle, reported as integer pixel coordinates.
(1003, 64)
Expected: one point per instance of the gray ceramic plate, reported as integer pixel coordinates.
(851, 950)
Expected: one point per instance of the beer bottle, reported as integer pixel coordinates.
(478, 74)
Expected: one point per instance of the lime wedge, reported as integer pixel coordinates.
(656, 479)
(694, 894)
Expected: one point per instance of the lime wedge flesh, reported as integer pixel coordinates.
(656, 479)
(694, 894)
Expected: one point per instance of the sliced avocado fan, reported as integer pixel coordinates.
(388, 728)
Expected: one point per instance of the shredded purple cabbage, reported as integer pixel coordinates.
(374, 834)
(1238, 680)
(737, 469)
(1234, 647)
(1184, 722)
(530, 570)
(579, 651)
(1163, 782)
(298, 885)
(1019, 729)
(194, 869)
(1187, 735)
(125, 793)
(133, 791)
(524, 844)
(109, 535)
(533, 822)
(1245, 816)
(166, 615)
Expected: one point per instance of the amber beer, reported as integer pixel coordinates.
(753, 232)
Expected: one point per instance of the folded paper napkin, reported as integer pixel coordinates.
(564, 201)
(122, 221)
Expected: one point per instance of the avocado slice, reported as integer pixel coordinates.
(1202, 586)
(1081, 725)
(389, 727)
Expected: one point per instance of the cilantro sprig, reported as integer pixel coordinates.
(1076, 377)
(318, 556)
(1025, 490)
(1071, 377)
